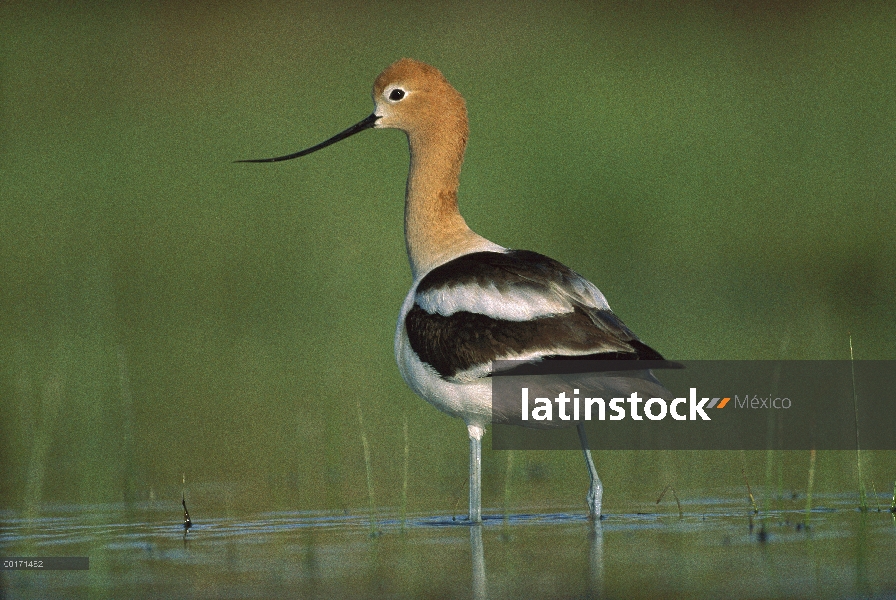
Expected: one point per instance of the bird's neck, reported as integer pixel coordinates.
(435, 231)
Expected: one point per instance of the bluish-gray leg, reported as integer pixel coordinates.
(597, 559)
(475, 473)
(480, 583)
(596, 491)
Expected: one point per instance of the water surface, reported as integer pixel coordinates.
(714, 548)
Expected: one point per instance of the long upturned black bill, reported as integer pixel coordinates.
(356, 128)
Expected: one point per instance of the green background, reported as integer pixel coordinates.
(724, 175)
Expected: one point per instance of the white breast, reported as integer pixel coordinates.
(470, 401)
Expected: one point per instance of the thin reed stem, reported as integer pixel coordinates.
(810, 485)
(863, 501)
(404, 481)
(373, 530)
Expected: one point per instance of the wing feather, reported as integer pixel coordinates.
(490, 306)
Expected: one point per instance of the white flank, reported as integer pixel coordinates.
(513, 304)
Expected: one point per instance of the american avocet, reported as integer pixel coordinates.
(473, 301)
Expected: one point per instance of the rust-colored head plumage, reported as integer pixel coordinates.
(415, 97)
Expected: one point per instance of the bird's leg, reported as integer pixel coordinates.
(475, 473)
(480, 581)
(596, 491)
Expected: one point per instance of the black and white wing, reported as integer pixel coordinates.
(517, 304)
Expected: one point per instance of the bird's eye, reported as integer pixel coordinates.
(396, 94)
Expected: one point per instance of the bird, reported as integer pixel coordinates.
(472, 301)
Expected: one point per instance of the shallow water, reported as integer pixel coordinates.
(714, 548)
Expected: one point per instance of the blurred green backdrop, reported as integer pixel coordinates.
(725, 176)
